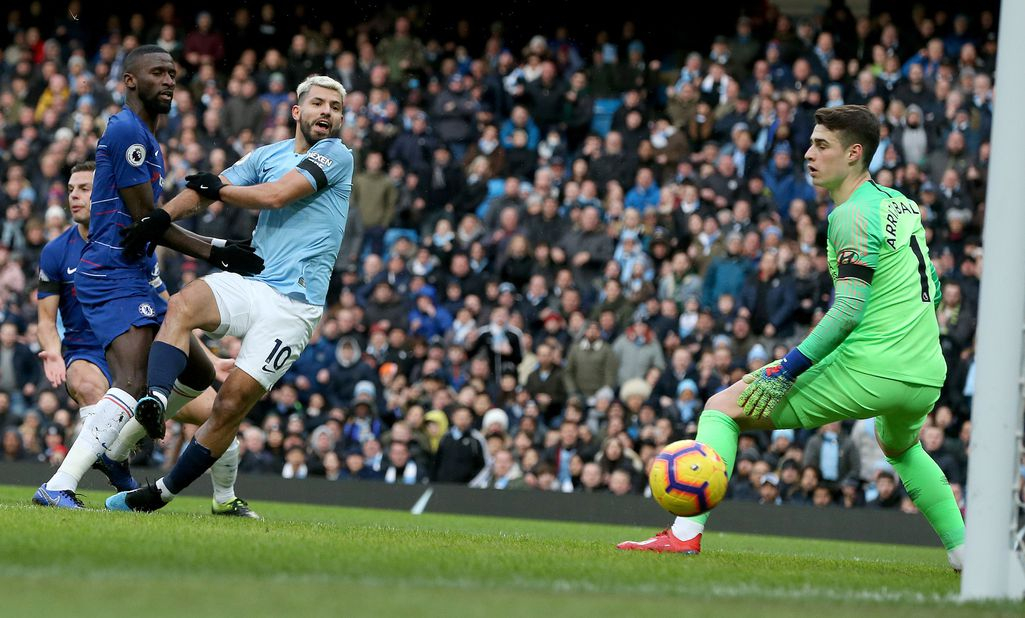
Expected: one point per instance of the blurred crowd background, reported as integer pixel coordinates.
(561, 240)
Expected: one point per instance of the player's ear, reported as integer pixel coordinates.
(129, 81)
(295, 112)
(854, 153)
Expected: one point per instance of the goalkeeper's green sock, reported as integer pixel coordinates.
(930, 491)
(718, 430)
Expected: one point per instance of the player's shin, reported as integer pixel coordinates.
(223, 474)
(191, 465)
(719, 431)
(181, 395)
(130, 435)
(166, 363)
(99, 431)
(931, 493)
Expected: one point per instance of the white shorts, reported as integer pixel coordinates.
(273, 327)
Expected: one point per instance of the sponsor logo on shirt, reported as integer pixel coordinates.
(320, 160)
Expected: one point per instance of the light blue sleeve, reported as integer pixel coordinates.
(246, 171)
(327, 163)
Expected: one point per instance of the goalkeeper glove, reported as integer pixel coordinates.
(767, 386)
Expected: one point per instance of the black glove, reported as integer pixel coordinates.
(148, 230)
(206, 184)
(237, 256)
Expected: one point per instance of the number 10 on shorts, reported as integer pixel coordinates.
(277, 357)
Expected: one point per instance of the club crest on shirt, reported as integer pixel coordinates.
(135, 155)
(146, 310)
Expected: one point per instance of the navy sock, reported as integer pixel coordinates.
(166, 362)
(191, 465)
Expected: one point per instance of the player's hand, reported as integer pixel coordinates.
(222, 367)
(206, 184)
(237, 256)
(53, 367)
(146, 231)
(766, 387)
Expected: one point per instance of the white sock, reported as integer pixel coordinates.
(223, 474)
(99, 430)
(685, 529)
(180, 397)
(165, 493)
(956, 558)
(130, 435)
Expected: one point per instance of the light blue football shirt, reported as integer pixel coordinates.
(299, 243)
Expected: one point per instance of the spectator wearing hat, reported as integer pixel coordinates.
(768, 491)
(591, 364)
(364, 423)
(546, 384)
(687, 407)
(637, 351)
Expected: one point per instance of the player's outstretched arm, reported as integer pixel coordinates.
(154, 225)
(138, 199)
(767, 386)
(50, 341)
(265, 196)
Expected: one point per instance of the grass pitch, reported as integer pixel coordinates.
(329, 561)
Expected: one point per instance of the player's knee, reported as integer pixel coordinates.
(725, 401)
(131, 380)
(86, 392)
(228, 409)
(178, 308)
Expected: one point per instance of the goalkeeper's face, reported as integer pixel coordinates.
(829, 162)
(320, 114)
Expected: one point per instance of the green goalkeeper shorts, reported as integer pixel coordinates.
(830, 392)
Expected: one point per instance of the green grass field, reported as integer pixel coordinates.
(326, 561)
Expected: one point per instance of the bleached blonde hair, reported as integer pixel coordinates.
(320, 80)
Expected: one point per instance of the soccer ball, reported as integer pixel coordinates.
(688, 478)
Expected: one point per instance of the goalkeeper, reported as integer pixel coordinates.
(876, 352)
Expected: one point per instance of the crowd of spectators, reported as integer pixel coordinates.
(556, 248)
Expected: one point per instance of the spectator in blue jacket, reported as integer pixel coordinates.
(784, 181)
(427, 319)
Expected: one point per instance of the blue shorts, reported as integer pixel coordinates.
(113, 306)
(89, 354)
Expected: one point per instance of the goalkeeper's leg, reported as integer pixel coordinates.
(925, 483)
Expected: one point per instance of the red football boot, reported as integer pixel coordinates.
(664, 541)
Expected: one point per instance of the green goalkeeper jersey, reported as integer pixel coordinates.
(877, 236)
